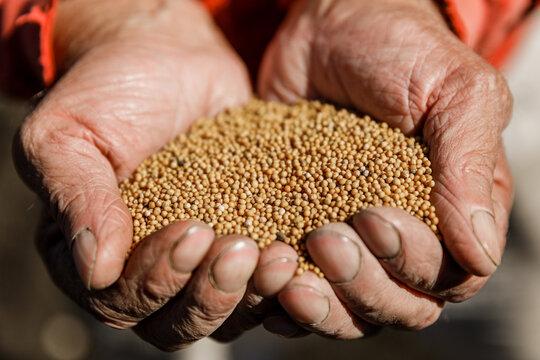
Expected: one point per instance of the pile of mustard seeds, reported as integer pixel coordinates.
(273, 171)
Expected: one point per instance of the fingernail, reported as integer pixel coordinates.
(380, 236)
(483, 224)
(305, 304)
(336, 255)
(232, 269)
(281, 325)
(187, 253)
(84, 248)
(272, 276)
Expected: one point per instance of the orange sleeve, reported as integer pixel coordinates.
(26, 51)
(248, 25)
(490, 27)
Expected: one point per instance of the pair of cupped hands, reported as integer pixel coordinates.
(138, 73)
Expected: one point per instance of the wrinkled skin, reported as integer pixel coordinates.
(397, 61)
(121, 101)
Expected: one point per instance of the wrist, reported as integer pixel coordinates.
(431, 11)
(85, 24)
(430, 8)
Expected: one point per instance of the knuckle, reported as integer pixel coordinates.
(197, 322)
(505, 94)
(194, 327)
(372, 306)
(116, 318)
(30, 133)
(417, 275)
(209, 313)
(476, 85)
(158, 290)
(492, 85)
(72, 202)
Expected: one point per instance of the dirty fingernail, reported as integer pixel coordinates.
(188, 252)
(485, 231)
(271, 277)
(305, 304)
(380, 236)
(232, 269)
(84, 248)
(336, 255)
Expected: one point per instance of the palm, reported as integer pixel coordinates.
(133, 98)
(368, 59)
(397, 61)
(116, 106)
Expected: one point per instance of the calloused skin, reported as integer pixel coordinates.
(126, 95)
(397, 61)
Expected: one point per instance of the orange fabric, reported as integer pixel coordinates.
(490, 27)
(26, 49)
(215, 6)
(249, 25)
(45, 19)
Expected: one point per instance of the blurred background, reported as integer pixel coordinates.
(38, 322)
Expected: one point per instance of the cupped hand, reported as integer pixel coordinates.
(397, 61)
(132, 83)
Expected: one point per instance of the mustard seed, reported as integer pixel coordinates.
(276, 172)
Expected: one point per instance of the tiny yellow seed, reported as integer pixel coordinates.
(276, 172)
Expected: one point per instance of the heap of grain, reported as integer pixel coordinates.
(276, 172)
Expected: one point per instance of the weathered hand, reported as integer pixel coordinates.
(397, 61)
(138, 78)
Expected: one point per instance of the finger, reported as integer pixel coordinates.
(168, 255)
(64, 163)
(362, 283)
(248, 314)
(412, 254)
(461, 107)
(214, 291)
(463, 111)
(277, 266)
(54, 251)
(311, 303)
(463, 132)
(158, 270)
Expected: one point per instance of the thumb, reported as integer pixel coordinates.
(61, 160)
(463, 130)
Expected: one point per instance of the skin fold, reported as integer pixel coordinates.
(136, 76)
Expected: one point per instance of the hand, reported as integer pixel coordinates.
(135, 77)
(397, 61)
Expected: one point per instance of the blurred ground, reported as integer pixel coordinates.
(38, 322)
